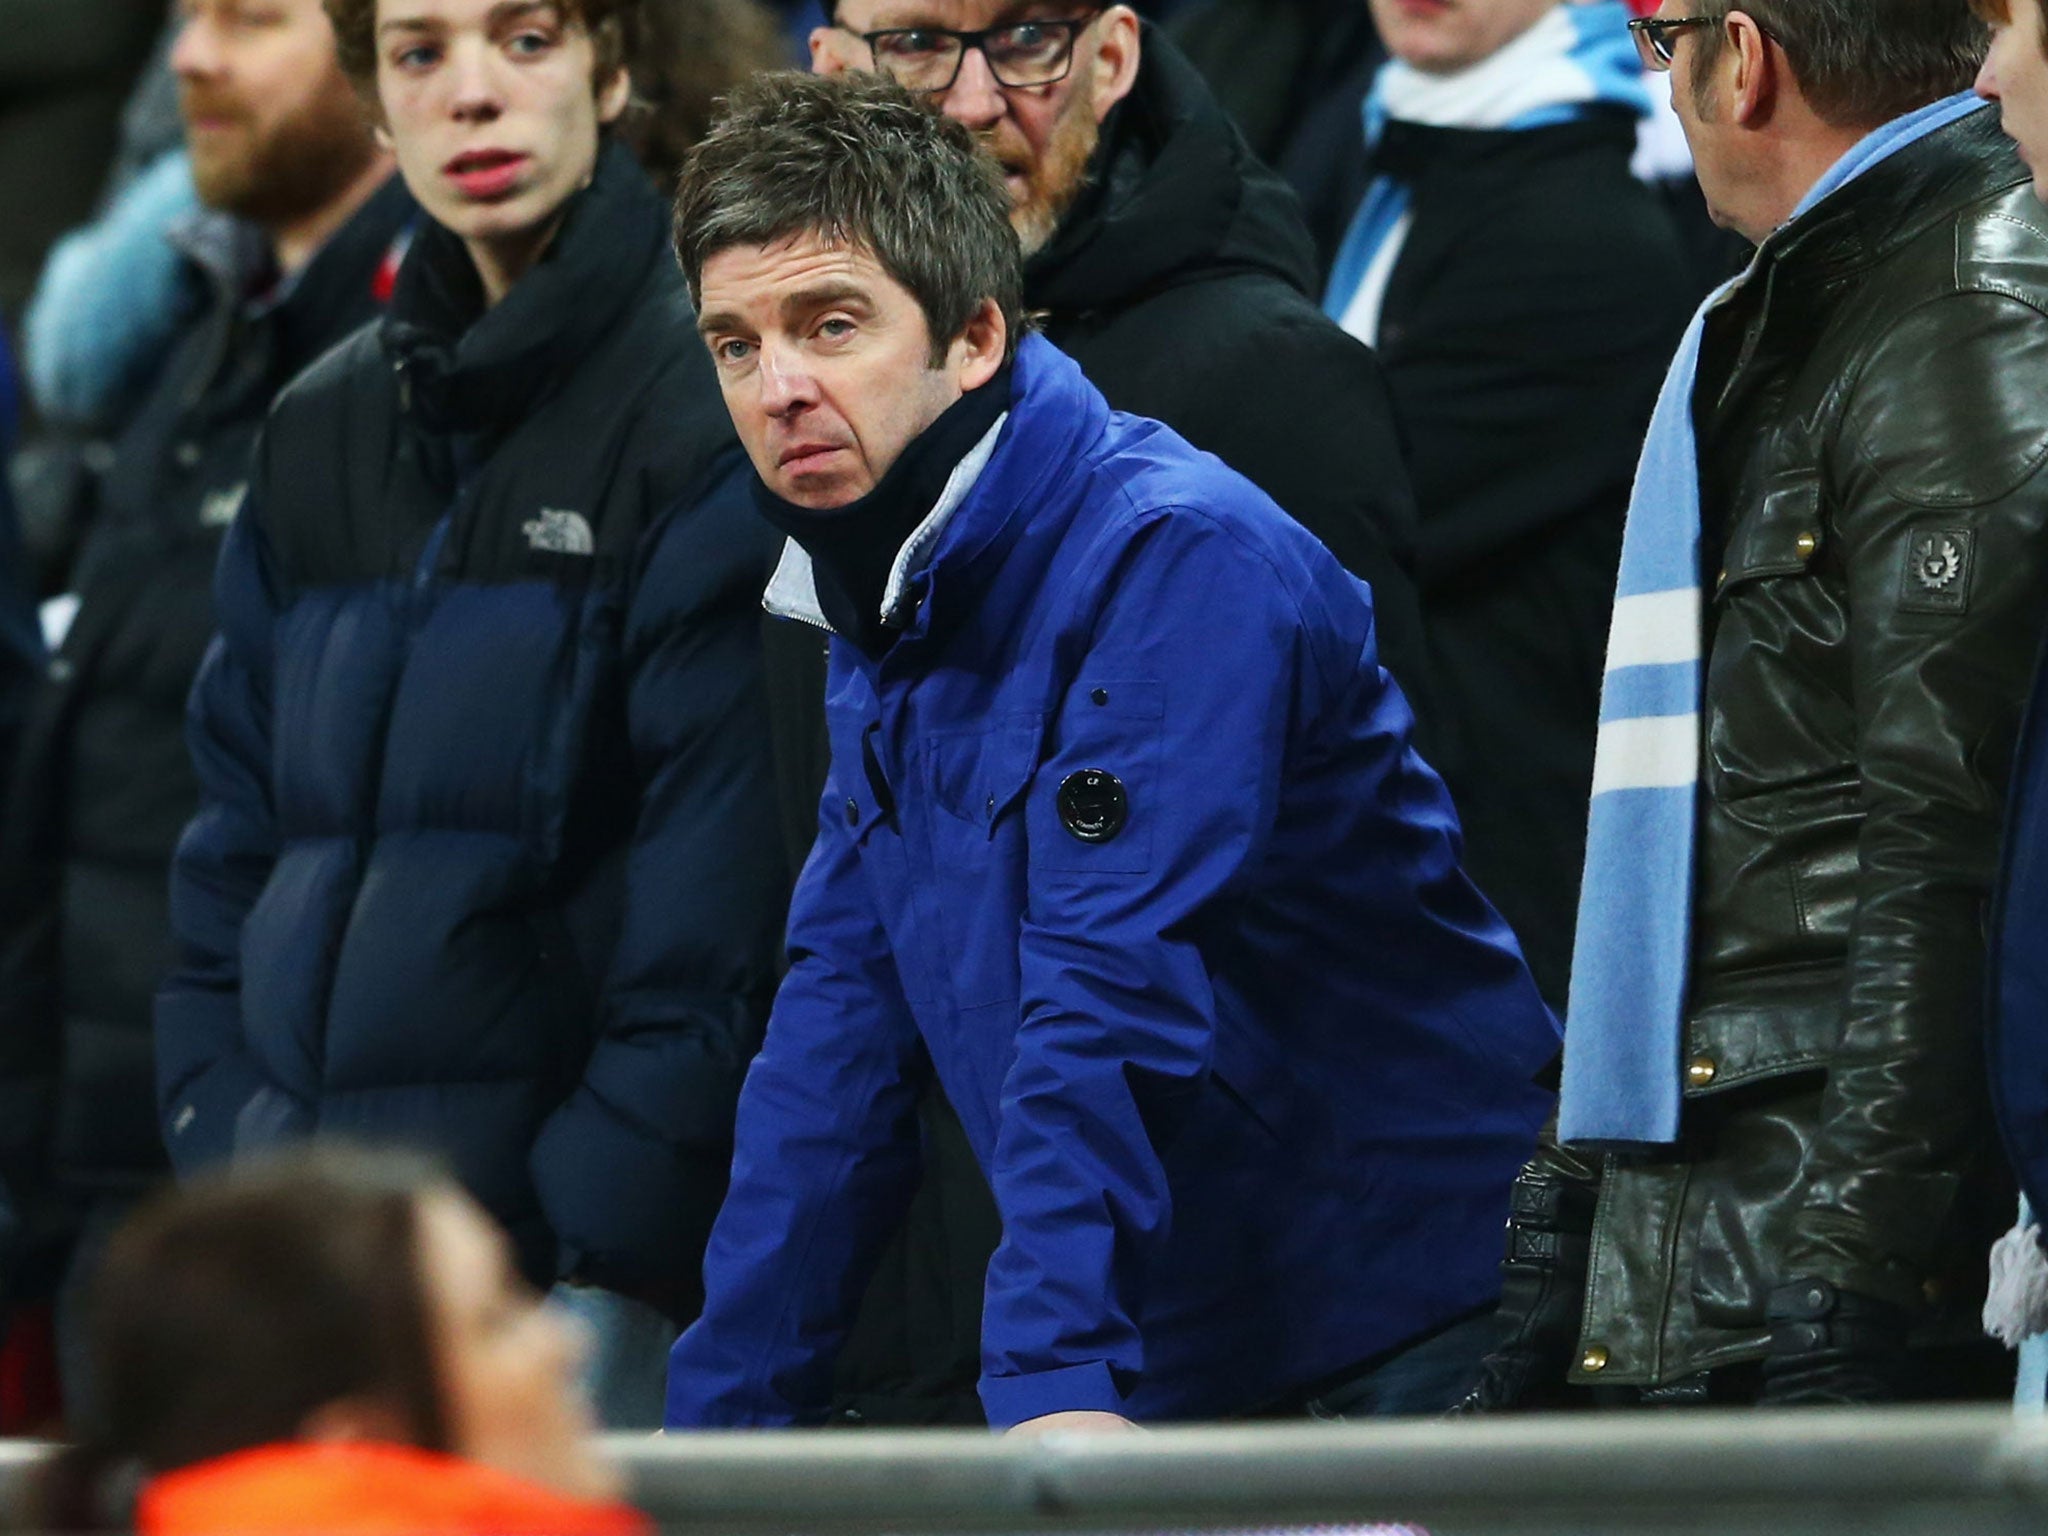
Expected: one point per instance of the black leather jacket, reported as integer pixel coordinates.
(1872, 409)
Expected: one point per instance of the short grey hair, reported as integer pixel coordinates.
(1863, 62)
(856, 159)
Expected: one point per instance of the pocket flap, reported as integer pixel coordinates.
(1780, 538)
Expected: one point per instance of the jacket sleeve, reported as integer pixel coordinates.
(206, 1076)
(824, 1165)
(631, 1166)
(1941, 531)
(1117, 1012)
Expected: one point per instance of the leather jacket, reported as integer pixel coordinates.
(1872, 414)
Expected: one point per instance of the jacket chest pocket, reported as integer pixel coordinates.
(1778, 639)
(977, 782)
(1094, 811)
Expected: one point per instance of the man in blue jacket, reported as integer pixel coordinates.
(1123, 839)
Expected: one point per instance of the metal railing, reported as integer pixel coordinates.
(1899, 1472)
(1955, 1472)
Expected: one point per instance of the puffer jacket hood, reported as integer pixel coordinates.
(1173, 192)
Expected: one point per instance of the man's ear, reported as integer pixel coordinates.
(1756, 63)
(1114, 69)
(611, 101)
(832, 51)
(976, 355)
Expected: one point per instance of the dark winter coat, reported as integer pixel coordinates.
(1527, 326)
(486, 855)
(1873, 442)
(105, 785)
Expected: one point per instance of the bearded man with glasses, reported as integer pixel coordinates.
(1177, 271)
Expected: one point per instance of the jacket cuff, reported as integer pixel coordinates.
(1010, 1400)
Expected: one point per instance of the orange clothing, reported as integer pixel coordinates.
(365, 1490)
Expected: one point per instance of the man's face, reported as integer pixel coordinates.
(826, 364)
(274, 129)
(1042, 135)
(1699, 97)
(492, 109)
(1441, 37)
(2015, 75)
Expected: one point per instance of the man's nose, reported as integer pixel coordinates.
(1987, 76)
(474, 95)
(975, 97)
(786, 384)
(195, 53)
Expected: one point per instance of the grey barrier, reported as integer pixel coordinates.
(1895, 1472)
(1871, 1472)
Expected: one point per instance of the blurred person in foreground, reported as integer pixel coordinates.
(1117, 786)
(330, 1341)
(482, 860)
(293, 249)
(1523, 291)
(1774, 1125)
(1174, 268)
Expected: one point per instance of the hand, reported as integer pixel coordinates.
(1833, 1346)
(1087, 1421)
(1543, 1287)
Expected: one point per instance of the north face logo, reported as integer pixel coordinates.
(560, 533)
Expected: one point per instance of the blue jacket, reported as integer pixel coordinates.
(2016, 1027)
(1249, 1079)
(486, 855)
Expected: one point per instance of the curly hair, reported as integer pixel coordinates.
(613, 25)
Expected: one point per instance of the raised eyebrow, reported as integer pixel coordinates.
(511, 11)
(825, 295)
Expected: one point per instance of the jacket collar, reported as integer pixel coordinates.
(468, 369)
(1004, 496)
(235, 258)
(1895, 202)
(1173, 190)
(793, 589)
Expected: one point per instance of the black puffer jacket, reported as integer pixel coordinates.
(105, 786)
(1874, 467)
(485, 857)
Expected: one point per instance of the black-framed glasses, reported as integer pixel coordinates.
(1019, 54)
(1654, 36)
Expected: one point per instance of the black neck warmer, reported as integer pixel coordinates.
(853, 548)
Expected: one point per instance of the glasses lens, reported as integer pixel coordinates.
(1030, 53)
(923, 60)
(1654, 49)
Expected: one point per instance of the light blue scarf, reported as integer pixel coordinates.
(1578, 57)
(1630, 966)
